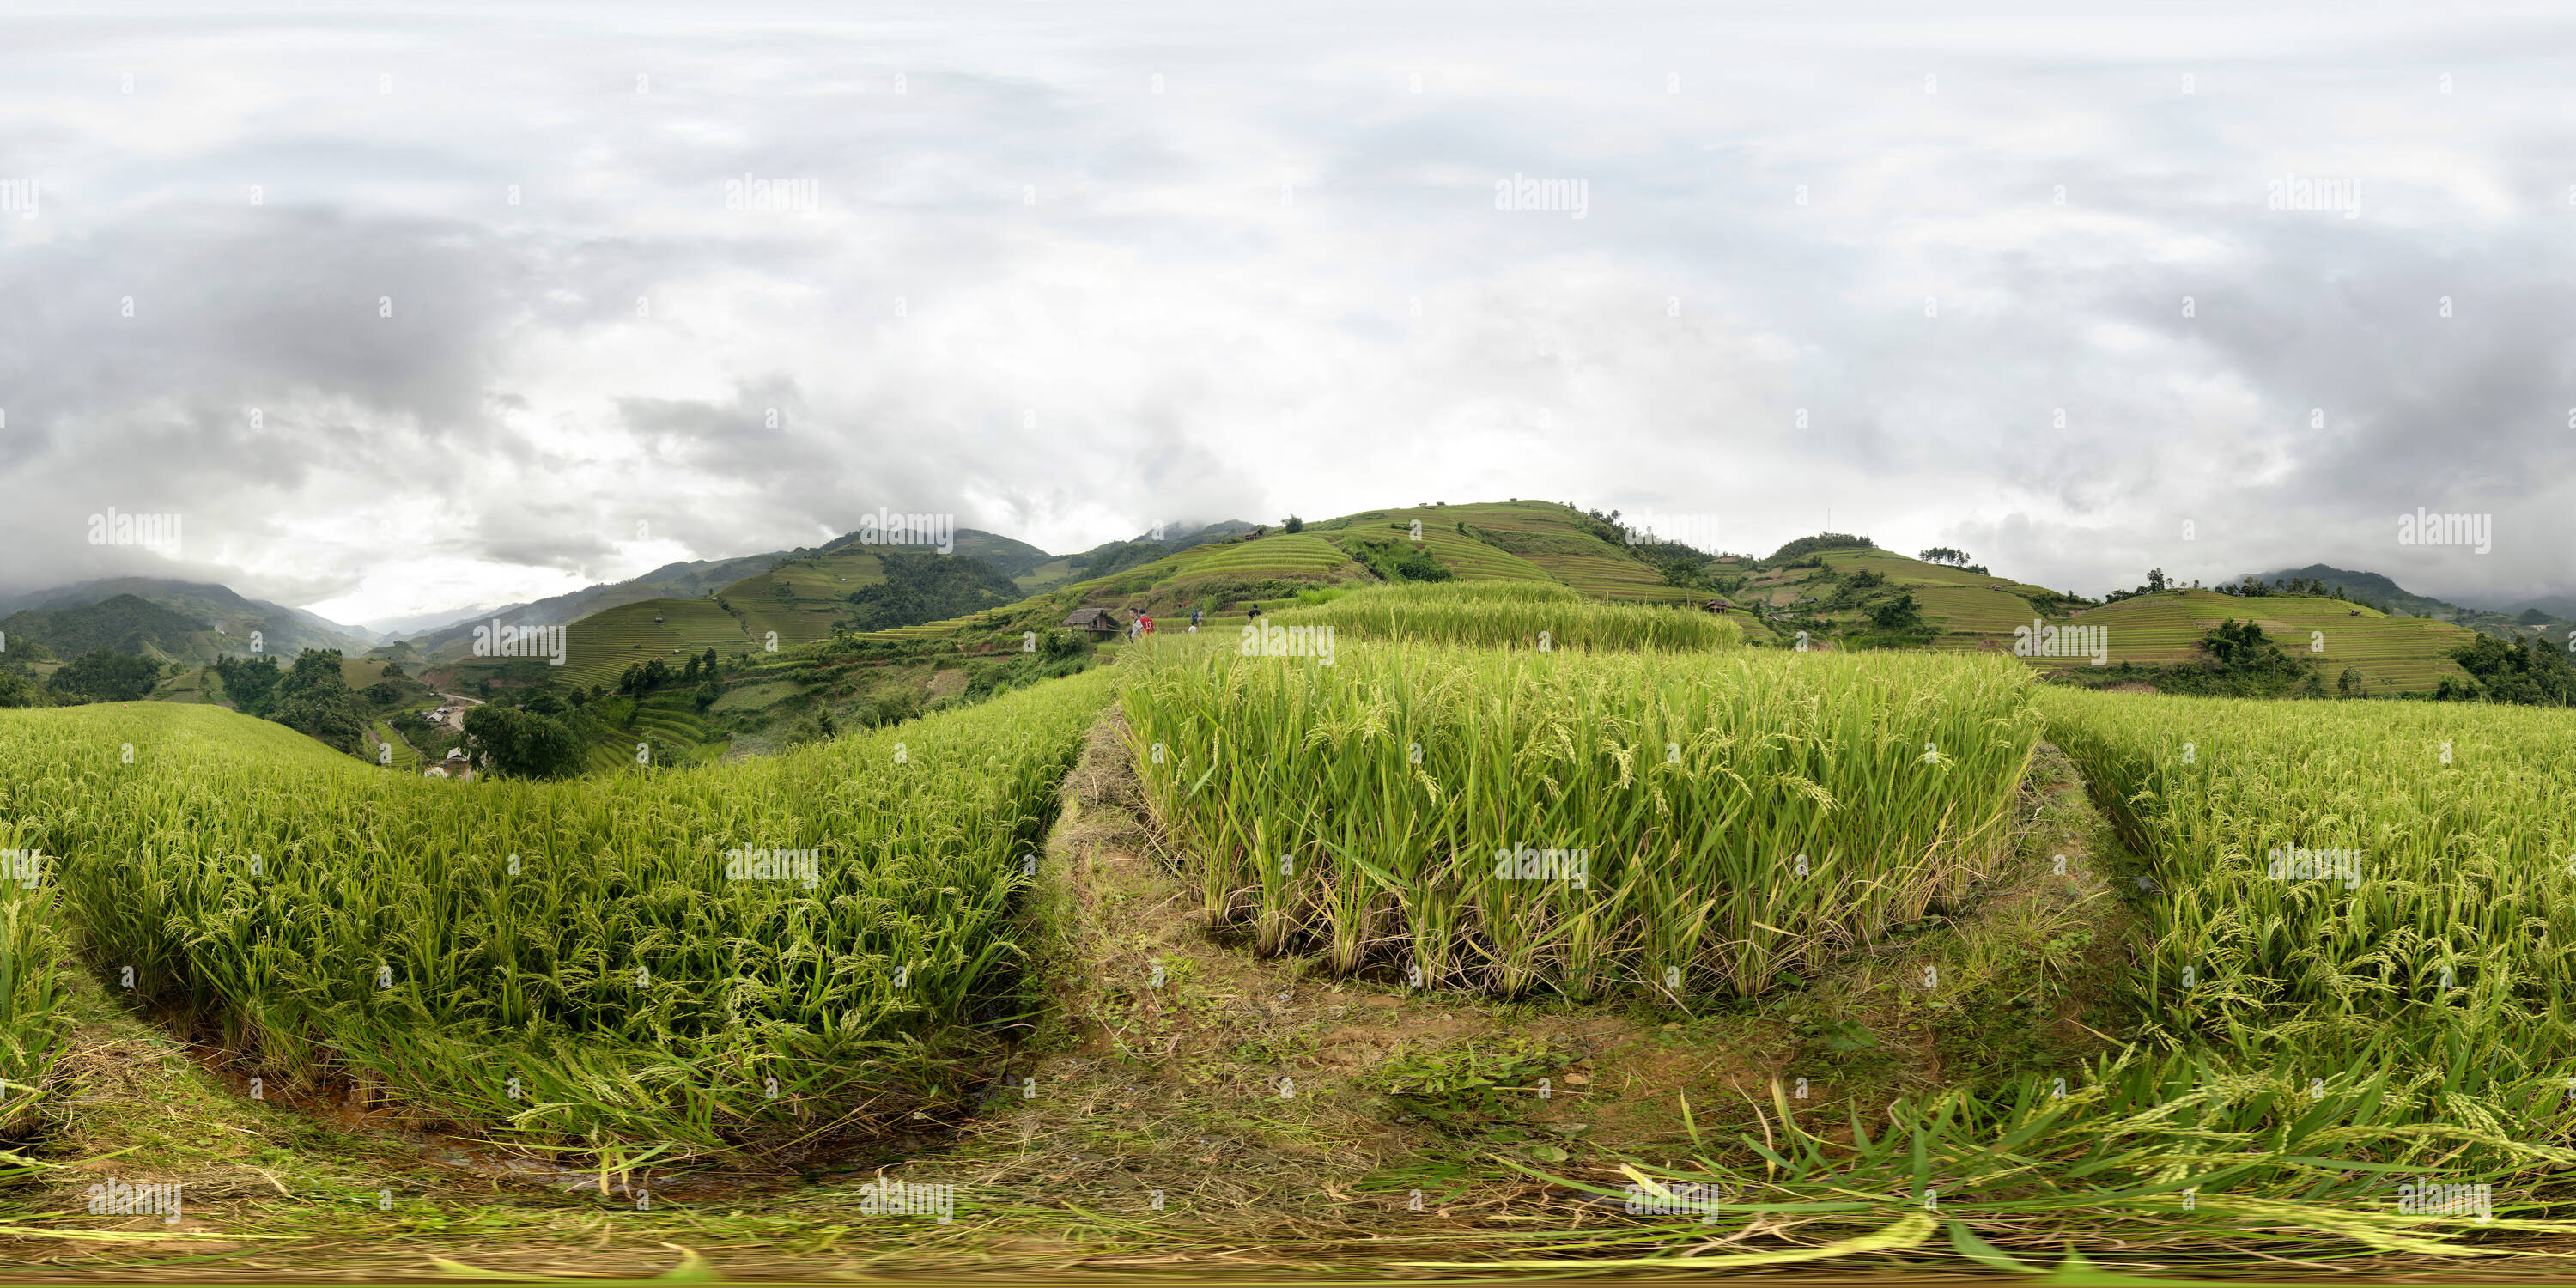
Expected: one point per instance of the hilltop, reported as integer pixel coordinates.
(200, 621)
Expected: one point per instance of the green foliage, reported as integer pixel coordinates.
(1902, 613)
(105, 676)
(35, 1023)
(928, 588)
(391, 936)
(521, 744)
(1294, 524)
(312, 699)
(249, 682)
(2516, 673)
(1691, 783)
(1514, 614)
(1400, 560)
(1804, 546)
(17, 690)
(1950, 555)
(120, 623)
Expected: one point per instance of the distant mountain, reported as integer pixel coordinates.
(2370, 587)
(120, 623)
(394, 628)
(1181, 536)
(670, 581)
(228, 616)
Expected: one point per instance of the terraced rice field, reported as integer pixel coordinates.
(1553, 539)
(1470, 559)
(1511, 614)
(604, 644)
(2394, 654)
(1280, 554)
(1736, 816)
(572, 964)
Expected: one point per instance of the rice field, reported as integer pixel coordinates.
(32, 1024)
(1671, 820)
(600, 647)
(2363, 876)
(590, 963)
(1512, 614)
(2394, 654)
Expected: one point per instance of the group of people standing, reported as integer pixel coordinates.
(1142, 624)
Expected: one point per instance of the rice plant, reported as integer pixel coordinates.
(2342, 875)
(33, 1025)
(1513, 820)
(744, 956)
(1512, 614)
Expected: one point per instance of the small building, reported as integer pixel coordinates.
(1717, 606)
(1098, 621)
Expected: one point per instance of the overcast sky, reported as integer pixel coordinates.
(431, 309)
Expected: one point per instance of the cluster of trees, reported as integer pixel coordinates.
(1954, 557)
(101, 675)
(2249, 588)
(1821, 541)
(2515, 672)
(309, 697)
(525, 742)
(929, 588)
(1401, 560)
(645, 677)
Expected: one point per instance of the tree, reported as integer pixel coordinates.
(522, 744)
(104, 676)
(2155, 579)
(313, 700)
(18, 691)
(1899, 614)
(706, 696)
(1945, 555)
(1294, 524)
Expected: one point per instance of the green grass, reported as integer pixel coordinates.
(1742, 816)
(387, 939)
(1514, 614)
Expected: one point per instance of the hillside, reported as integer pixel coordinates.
(122, 623)
(227, 617)
(2550, 620)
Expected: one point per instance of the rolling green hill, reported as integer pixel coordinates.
(121, 623)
